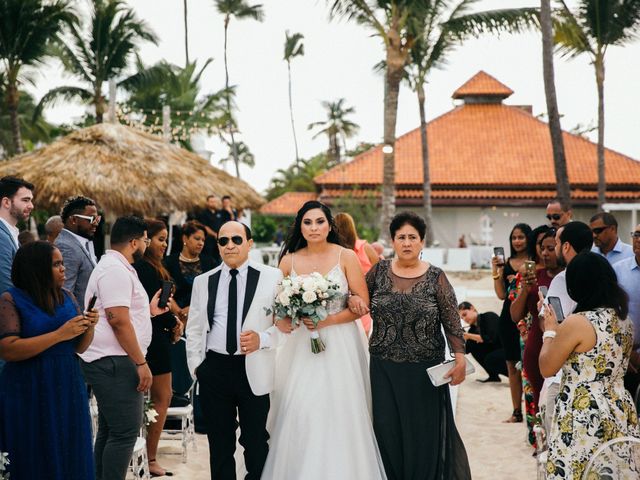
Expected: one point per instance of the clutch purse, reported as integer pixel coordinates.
(437, 372)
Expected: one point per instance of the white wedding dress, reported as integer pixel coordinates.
(320, 418)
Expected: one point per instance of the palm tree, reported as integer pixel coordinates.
(293, 47)
(336, 126)
(444, 24)
(167, 84)
(27, 27)
(104, 52)
(595, 26)
(245, 157)
(555, 130)
(298, 177)
(240, 10)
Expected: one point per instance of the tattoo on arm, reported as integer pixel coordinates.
(110, 315)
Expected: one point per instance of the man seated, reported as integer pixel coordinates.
(483, 341)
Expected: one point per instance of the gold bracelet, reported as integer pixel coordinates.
(496, 276)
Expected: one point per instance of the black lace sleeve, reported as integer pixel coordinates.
(449, 317)
(9, 317)
(370, 278)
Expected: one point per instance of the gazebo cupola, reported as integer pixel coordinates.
(482, 88)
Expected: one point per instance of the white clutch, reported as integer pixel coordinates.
(437, 372)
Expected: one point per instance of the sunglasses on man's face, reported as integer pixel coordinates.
(93, 219)
(554, 216)
(237, 239)
(599, 230)
(635, 235)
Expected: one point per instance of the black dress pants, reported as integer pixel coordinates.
(492, 360)
(225, 395)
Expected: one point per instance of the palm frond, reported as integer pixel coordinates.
(55, 95)
(293, 45)
(509, 20)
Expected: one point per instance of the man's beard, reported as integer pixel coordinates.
(560, 260)
(137, 255)
(18, 214)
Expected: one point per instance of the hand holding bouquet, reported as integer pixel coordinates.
(305, 297)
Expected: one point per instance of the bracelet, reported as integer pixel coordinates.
(548, 334)
(496, 276)
(141, 364)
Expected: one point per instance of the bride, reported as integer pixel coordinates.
(320, 419)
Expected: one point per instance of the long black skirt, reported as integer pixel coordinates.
(414, 425)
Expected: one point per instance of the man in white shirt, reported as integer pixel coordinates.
(230, 340)
(605, 238)
(571, 239)
(114, 364)
(16, 204)
(75, 242)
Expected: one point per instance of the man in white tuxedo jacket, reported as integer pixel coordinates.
(231, 351)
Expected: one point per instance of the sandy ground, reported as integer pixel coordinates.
(496, 450)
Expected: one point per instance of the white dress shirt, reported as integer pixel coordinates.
(14, 231)
(217, 337)
(86, 244)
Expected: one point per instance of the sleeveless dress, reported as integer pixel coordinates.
(44, 408)
(593, 406)
(320, 418)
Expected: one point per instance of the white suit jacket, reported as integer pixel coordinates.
(260, 291)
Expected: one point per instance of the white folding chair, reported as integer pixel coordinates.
(139, 464)
(541, 445)
(617, 459)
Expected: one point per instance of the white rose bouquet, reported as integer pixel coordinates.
(305, 297)
(4, 461)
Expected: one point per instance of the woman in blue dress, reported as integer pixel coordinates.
(44, 413)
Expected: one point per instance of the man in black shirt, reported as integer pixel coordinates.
(211, 218)
(227, 213)
(483, 341)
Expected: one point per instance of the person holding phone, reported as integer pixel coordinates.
(504, 284)
(592, 347)
(166, 329)
(44, 414)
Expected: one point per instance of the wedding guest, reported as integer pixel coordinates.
(114, 365)
(230, 340)
(411, 301)
(482, 341)
(558, 213)
(367, 256)
(166, 329)
(25, 237)
(605, 238)
(52, 227)
(211, 219)
(185, 266)
(44, 414)
(592, 347)
(227, 213)
(321, 412)
(504, 284)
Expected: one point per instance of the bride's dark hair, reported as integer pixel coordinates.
(295, 241)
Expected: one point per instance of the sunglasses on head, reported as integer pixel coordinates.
(599, 230)
(237, 239)
(554, 216)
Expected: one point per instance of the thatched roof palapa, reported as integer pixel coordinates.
(125, 170)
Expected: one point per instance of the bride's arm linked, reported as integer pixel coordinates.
(284, 324)
(357, 286)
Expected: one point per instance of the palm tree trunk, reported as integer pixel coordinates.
(602, 185)
(563, 188)
(98, 101)
(186, 34)
(426, 176)
(234, 148)
(334, 149)
(13, 98)
(293, 125)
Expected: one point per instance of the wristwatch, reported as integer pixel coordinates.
(548, 334)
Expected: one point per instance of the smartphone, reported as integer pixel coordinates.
(543, 290)
(167, 286)
(92, 303)
(557, 307)
(530, 266)
(498, 252)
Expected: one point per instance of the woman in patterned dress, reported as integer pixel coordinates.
(592, 347)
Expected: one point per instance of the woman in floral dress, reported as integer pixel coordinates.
(593, 347)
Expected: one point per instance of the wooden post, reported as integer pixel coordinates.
(166, 123)
(111, 117)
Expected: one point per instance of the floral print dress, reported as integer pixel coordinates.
(593, 406)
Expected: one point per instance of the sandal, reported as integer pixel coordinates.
(516, 417)
(166, 472)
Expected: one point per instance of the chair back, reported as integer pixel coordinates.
(618, 458)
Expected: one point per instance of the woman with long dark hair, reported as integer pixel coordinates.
(504, 282)
(166, 329)
(592, 347)
(44, 412)
(321, 405)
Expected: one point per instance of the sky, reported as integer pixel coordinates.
(338, 63)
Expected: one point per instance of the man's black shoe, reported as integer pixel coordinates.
(489, 379)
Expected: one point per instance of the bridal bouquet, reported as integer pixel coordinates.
(305, 297)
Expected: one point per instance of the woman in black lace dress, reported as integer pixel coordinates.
(410, 302)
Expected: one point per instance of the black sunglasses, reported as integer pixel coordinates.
(635, 234)
(554, 216)
(599, 230)
(237, 239)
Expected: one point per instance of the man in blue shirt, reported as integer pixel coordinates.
(604, 227)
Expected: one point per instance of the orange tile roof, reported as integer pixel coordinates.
(288, 203)
(486, 145)
(483, 84)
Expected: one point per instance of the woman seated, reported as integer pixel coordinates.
(592, 346)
